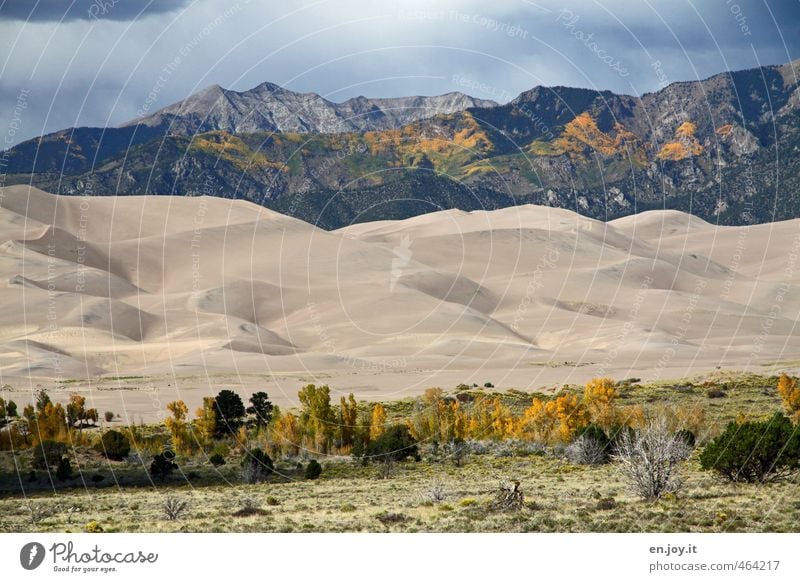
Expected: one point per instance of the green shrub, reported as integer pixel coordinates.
(754, 452)
(395, 444)
(108, 415)
(256, 466)
(217, 460)
(313, 469)
(114, 445)
(163, 465)
(48, 454)
(64, 469)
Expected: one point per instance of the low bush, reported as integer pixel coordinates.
(650, 459)
(64, 469)
(313, 470)
(592, 447)
(257, 466)
(114, 445)
(754, 451)
(163, 465)
(48, 454)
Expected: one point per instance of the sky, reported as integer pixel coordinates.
(67, 63)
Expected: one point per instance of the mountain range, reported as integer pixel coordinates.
(726, 149)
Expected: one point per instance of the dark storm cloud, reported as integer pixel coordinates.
(69, 10)
(85, 72)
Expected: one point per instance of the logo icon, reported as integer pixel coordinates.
(31, 555)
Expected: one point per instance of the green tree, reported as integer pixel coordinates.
(261, 409)
(42, 399)
(230, 411)
(394, 445)
(76, 410)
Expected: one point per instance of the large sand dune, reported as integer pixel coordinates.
(194, 294)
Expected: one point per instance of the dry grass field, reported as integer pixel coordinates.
(430, 495)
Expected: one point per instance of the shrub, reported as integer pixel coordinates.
(48, 454)
(93, 527)
(687, 436)
(217, 460)
(313, 469)
(590, 448)
(173, 507)
(108, 415)
(162, 465)
(754, 452)
(256, 466)
(64, 469)
(394, 445)
(488, 385)
(715, 393)
(247, 507)
(114, 445)
(650, 459)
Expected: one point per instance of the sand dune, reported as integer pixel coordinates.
(192, 293)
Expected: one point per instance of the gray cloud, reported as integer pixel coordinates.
(85, 72)
(69, 10)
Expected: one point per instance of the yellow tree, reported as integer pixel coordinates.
(348, 420)
(287, 434)
(378, 421)
(790, 395)
(177, 425)
(206, 421)
(539, 421)
(502, 421)
(571, 415)
(598, 399)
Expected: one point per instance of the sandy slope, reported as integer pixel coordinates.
(196, 293)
